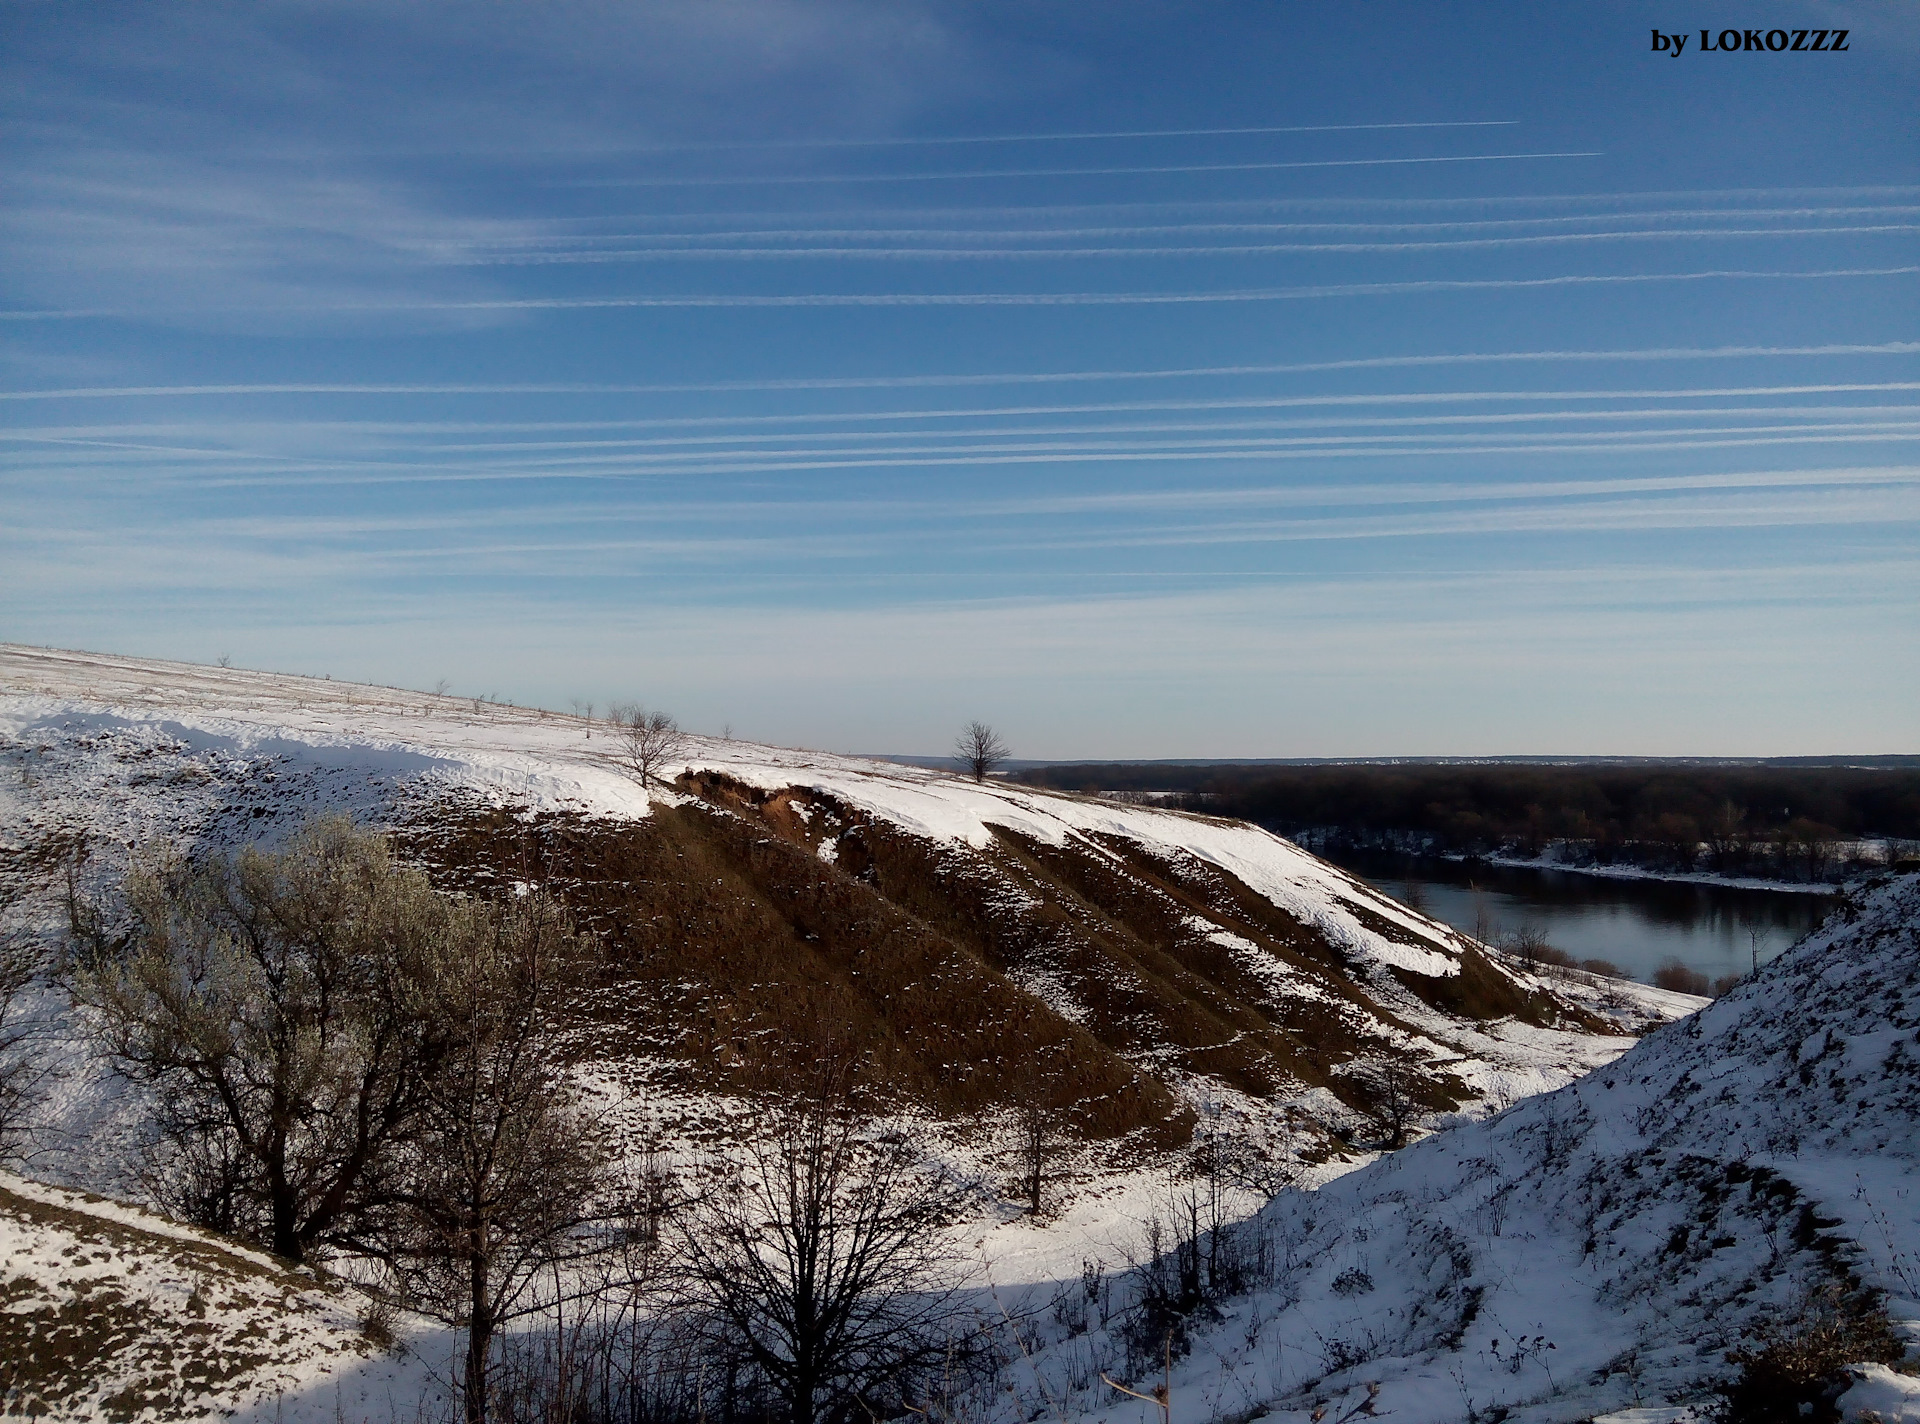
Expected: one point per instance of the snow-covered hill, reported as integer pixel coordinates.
(979, 943)
(1601, 1248)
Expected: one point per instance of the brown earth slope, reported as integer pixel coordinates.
(1088, 979)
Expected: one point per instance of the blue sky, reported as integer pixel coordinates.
(1149, 380)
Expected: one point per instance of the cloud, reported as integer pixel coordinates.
(243, 166)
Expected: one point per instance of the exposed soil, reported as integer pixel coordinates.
(752, 934)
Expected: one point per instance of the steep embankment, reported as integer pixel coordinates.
(1748, 1170)
(984, 947)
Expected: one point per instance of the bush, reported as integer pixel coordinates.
(271, 1001)
(1604, 967)
(1675, 976)
(1795, 1370)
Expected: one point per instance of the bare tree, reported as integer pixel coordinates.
(1039, 1135)
(1528, 944)
(501, 1169)
(24, 1068)
(271, 1001)
(980, 750)
(822, 1263)
(1391, 1100)
(648, 741)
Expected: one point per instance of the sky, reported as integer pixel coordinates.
(1147, 380)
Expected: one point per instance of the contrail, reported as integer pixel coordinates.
(787, 178)
(1425, 492)
(336, 472)
(734, 461)
(1252, 403)
(949, 254)
(561, 453)
(957, 139)
(1271, 204)
(733, 443)
(834, 383)
(1001, 299)
(1708, 513)
(1068, 299)
(817, 234)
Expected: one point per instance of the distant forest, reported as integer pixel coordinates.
(1791, 822)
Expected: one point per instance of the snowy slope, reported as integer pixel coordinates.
(109, 1313)
(1192, 963)
(359, 744)
(1600, 1248)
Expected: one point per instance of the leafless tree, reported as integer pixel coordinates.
(648, 741)
(501, 1170)
(1391, 1087)
(822, 1264)
(1039, 1137)
(980, 750)
(24, 1068)
(1528, 944)
(272, 1003)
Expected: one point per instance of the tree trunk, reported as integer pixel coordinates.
(479, 1337)
(286, 1209)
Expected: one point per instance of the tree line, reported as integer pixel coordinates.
(1789, 821)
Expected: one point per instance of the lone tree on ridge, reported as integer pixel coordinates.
(980, 750)
(648, 740)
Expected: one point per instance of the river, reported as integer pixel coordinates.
(1636, 924)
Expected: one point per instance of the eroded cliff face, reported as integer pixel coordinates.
(752, 931)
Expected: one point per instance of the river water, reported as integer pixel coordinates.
(1637, 924)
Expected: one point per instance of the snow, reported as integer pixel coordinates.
(1521, 1261)
(1594, 1252)
(1545, 861)
(1881, 1395)
(146, 1320)
(130, 750)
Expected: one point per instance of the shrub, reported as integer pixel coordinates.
(1794, 1370)
(1603, 966)
(1675, 976)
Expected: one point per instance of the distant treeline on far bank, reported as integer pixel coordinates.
(1781, 821)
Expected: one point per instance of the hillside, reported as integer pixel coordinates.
(983, 948)
(1603, 1247)
(108, 1313)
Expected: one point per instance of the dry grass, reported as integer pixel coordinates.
(132, 1324)
(960, 980)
